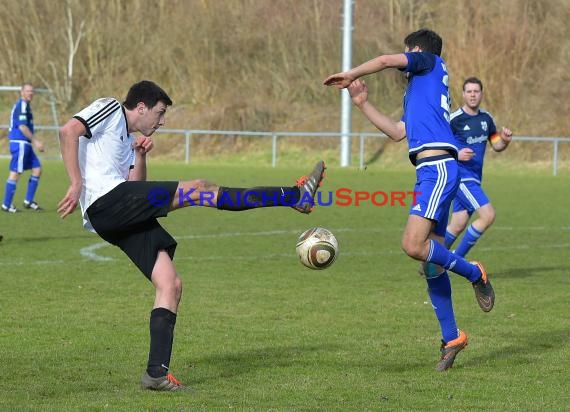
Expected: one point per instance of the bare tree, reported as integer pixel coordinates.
(72, 38)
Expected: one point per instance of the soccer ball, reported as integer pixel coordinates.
(317, 248)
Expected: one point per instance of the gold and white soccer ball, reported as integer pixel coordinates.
(317, 248)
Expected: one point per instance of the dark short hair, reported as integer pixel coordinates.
(473, 80)
(427, 40)
(147, 92)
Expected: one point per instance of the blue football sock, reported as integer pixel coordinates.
(471, 237)
(439, 290)
(10, 191)
(441, 256)
(32, 187)
(449, 239)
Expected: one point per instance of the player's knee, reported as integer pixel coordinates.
(413, 249)
(173, 289)
(204, 185)
(169, 285)
(488, 217)
(456, 227)
(178, 288)
(491, 217)
(489, 221)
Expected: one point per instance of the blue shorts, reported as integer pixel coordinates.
(470, 197)
(436, 186)
(23, 156)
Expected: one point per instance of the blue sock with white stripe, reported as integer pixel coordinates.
(10, 191)
(471, 237)
(450, 238)
(441, 256)
(32, 187)
(439, 290)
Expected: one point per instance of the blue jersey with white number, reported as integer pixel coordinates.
(426, 105)
(472, 131)
(21, 115)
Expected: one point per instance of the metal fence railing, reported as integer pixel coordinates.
(277, 137)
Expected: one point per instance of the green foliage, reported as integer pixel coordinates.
(258, 331)
(259, 64)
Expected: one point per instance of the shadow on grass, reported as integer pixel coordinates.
(517, 273)
(15, 239)
(233, 364)
(522, 348)
(525, 347)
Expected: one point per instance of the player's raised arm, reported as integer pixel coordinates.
(500, 141)
(69, 135)
(142, 145)
(359, 94)
(343, 80)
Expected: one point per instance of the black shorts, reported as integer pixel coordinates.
(127, 217)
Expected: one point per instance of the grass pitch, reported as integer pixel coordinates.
(258, 331)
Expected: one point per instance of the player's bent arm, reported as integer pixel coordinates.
(69, 135)
(394, 130)
(142, 145)
(69, 145)
(379, 63)
(500, 140)
(138, 172)
(26, 131)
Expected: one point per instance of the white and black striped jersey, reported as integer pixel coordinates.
(106, 151)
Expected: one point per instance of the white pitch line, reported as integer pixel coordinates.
(33, 262)
(90, 252)
(272, 233)
(356, 254)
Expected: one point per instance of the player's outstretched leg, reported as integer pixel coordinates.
(450, 350)
(308, 187)
(300, 197)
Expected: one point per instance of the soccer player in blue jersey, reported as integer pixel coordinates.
(433, 151)
(21, 136)
(473, 128)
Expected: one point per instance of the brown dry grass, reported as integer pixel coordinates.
(259, 64)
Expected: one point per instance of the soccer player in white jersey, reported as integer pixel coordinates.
(106, 164)
(432, 150)
(473, 128)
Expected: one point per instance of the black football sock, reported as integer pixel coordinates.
(162, 323)
(233, 198)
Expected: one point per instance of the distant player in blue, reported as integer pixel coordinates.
(433, 151)
(473, 128)
(21, 136)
